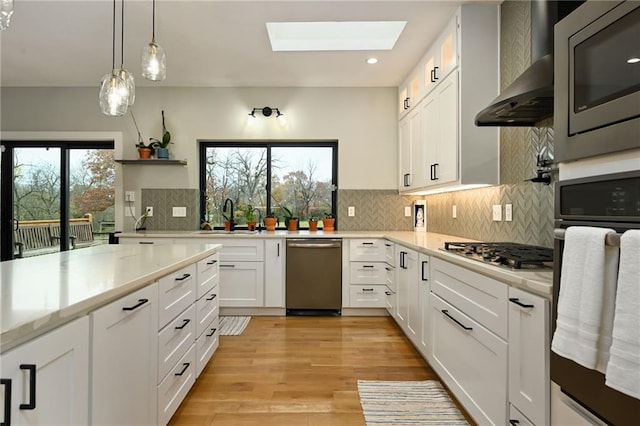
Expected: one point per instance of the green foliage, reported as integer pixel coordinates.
(166, 137)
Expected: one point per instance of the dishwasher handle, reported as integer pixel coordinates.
(314, 245)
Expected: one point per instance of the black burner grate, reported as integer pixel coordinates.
(514, 255)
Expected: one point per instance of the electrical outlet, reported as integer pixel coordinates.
(352, 211)
(454, 211)
(497, 212)
(407, 211)
(130, 196)
(508, 212)
(149, 211)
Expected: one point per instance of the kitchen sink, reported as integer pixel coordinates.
(223, 232)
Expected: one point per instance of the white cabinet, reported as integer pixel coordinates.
(390, 277)
(366, 276)
(408, 314)
(410, 138)
(125, 360)
(529, 383)
(242, 273)
(176, 292)
(442, 57)
(410, 92)
(424, 341)
(46, 381)
(207, 310)
(274, 272)
(175, 386)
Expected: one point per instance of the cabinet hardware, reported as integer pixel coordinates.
(514, 422)
(145, 242)
(388, 268)
(31, 368)
(184, 324)
(227, 266)
(519, 303)
(435, 76)
(213, 296)
(7, 401)
(212, 262)
(387, 245)
(423, 265)
(434, 173)
(184, 368)
(446, 312)
(136, 306)
(403, 265)
(367, 243)
(406, 179)
(388, 293)
(183, 277)
(368, 266)
(213, 331)
(367, 289)
(278, 253)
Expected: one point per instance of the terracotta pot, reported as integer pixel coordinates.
(227, 225)
(328, 224)
(313, 225)
(293, 224)
(251, 225)
(144, 152)
(270, 223)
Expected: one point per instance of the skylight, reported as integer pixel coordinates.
(314, 36)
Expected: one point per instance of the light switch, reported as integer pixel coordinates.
(179, 212)
(454, 211)
(130, 196)
(497, 212)
(352, 211)
(508, 212)
(407, 211)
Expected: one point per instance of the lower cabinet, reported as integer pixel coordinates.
(424, 341)
(46, 381)
(174, 387)
(124, 367)
(408, 297)
(241, 284)
(274, 272)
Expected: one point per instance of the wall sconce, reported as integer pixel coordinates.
(266, 111)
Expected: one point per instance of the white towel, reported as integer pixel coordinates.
(587, 296)
(623, 370)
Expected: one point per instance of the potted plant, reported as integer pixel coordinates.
(250, 216)
(161, 146)
(144, 151)
(328, 222)
(270, 222)
(313, 224)
(290, 221)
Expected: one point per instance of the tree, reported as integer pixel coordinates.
(94, 190)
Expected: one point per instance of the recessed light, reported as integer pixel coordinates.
(634, 60)
(372, 61)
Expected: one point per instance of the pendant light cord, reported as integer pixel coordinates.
(153, 23)
(122, 39)
(113, 37)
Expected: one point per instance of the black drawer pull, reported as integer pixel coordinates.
(213, 296)
(184, 368)
(212, 262)
(183, 277)
(7, 401)
(184, 324)
(32, 386)
(227, 266)
(387, 245)
(136, 306)
(388, 269)
(367, 289)
(446, 312)
(514, 422)
(367, 244)
(145, 242)
(388, 293)
(213, 331)
(519, 303)
(424, 263)
(368, 266)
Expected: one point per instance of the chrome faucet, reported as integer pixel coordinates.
(230, 218)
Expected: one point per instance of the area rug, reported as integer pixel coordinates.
(407, 403)
(233, 326)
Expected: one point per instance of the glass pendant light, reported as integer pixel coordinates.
(113, 89)
(154, 61)
(6, 10)
(125, 75)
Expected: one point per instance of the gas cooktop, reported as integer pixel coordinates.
(509, 255)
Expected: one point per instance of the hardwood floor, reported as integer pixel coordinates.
(299, 371)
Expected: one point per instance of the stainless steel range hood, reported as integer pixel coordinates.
(529, 98)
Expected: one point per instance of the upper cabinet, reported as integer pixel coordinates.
(439, 143)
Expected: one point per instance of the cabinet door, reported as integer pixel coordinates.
(402, 295)
(241, 249)
(405, 154)
(446, 169)
(430, 116)
(529, 385)
(241, 284)
(425, 288)
(447, 49)
(274, 273)
(414, 318)
(50, 373)
(125, 360)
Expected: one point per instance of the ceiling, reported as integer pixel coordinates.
(208, 43)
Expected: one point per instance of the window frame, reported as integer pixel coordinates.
(203, 144)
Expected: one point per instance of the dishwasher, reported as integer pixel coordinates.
(314, 276)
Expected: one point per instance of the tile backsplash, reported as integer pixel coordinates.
(163, 201)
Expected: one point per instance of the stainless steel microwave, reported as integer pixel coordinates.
(597, 80)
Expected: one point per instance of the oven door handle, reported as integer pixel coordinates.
(610, 240)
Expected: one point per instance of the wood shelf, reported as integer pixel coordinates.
(154, 162)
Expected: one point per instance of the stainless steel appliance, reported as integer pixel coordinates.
(611, 201)
(314, 276)
(597, 80)
(507, 255)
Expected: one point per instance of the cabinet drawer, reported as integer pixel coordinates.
(174, 387)
(241, 249)
(367, 273)
(390, 301)
(390, 277)
(174, 340)
(208, 274)
(390, 253)
(241, 284)
(367, 296)
(176, 292)
(206, 345)
(367, 250)
(471, 361)
(206, 310)
(482, 298)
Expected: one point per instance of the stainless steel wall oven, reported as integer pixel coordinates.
(611, 201)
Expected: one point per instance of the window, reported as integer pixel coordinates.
(297, 179)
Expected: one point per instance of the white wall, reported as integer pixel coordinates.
(363, 120)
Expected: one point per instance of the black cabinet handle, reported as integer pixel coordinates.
(184, 324)
(431, 177)
(184, 368)
(227, 266)
(388, 293)
(183, 277)
(422, 272)
(433, 76)
(213, 331)
(434, 172)
(278, 253)
(513, 422)
(435, 70)
(136, 306)
(367, 243)
(388, 269)
(31, 368)
(403, 255)
(212, 262)
(446, 312)
(213, 296)
(387, 245)
(368, 266)
(519, 303)
(145, 242)
(406, 179)
(367, 289)
(7, 401)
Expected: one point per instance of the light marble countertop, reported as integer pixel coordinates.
(41, 293)
(536, 281)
